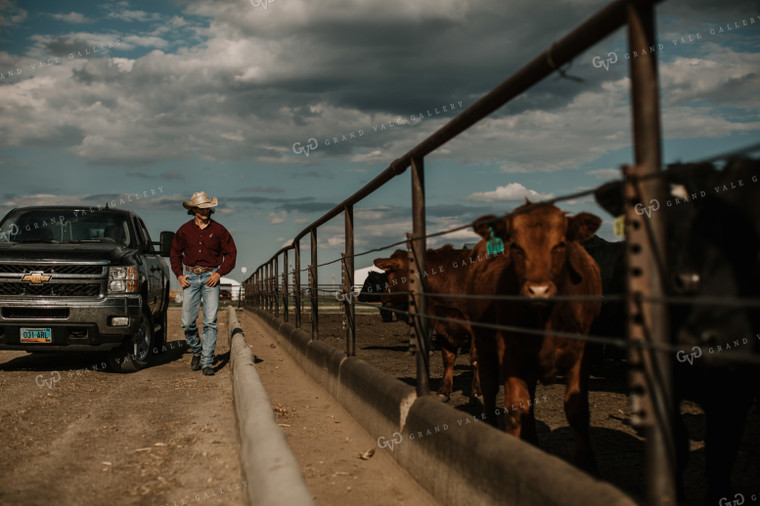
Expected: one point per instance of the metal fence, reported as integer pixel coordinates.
(649, 343)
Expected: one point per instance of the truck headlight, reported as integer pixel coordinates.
(122, 280)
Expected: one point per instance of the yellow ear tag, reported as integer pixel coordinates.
(619, 226)
(494, 244)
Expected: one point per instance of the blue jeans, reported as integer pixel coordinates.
(191, 302)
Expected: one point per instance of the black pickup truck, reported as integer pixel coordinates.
(83, 279)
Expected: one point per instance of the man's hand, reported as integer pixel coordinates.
(183, 282)
(213, 279)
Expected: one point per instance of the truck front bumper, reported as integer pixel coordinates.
(92, 325)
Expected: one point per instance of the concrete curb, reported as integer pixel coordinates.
(273, 474)
(457, 459)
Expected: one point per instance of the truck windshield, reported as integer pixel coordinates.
(55, 226)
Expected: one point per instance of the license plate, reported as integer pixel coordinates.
(29, 335)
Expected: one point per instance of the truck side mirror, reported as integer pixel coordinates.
(166, 243)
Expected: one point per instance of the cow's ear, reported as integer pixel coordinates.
(609, 196)
(389, 264)
(485, 224)
(582, 226)
(383, 263)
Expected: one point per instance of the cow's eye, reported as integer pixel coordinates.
(515, 248)
(558, 246)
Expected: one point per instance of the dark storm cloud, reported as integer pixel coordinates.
(397, 65)
(262, 81)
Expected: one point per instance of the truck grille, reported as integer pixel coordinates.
(86, 269)
(34, 312)
(52, 279)
(51, 290)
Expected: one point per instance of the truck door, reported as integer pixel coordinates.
(153, 268)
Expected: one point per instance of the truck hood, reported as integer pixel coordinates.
(116, 254)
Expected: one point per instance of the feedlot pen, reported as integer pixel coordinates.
(619, 448)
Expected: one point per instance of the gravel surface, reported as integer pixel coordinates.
(72, 433)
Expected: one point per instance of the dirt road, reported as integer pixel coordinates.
(73, 435)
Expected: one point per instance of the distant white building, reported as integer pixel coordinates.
(361, 275)
(232, 286)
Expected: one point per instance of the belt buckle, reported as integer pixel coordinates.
(197, 270)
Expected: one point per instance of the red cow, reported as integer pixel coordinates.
(543, 259)
(446, 274)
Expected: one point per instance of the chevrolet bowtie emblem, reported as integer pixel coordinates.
(36, 277)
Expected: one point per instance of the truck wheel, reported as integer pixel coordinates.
(133, 355)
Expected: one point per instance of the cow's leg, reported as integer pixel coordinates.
(412, 341)
(529, 428)
(488, 373)
(725, 412)
(386, 314)
(475, 392)
(517, 415)
(577, 412)
(682, 452)
(449, 354)
(516, 401)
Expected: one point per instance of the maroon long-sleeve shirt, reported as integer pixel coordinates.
(213, 246)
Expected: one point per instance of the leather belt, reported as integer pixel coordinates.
(198, 269)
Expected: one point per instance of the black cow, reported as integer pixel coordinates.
(610, 257)
(372, 291)
(713, 250)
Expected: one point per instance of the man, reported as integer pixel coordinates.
(202, 252)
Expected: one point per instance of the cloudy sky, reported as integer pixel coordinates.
(105, 100)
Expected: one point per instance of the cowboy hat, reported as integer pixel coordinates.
(201, 200)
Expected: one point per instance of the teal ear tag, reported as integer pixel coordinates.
(494, 244)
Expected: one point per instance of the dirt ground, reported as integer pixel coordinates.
(619, 448)
(73, 435)
(324, 438)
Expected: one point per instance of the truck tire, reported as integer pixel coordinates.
(134, 354)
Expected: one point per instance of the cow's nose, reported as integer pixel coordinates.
(538, 290)
(686, 282)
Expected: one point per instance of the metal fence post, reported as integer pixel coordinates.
(255, 287)
(348, 283)
(270, 295)
(267, 286)
(417, 273)
(314, 287)
(272, 299)
(265, 281)
(297, 283)
(256, 290)
(285, 285)
(276, 282)
(260, 287)
(651, 374)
